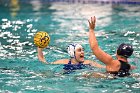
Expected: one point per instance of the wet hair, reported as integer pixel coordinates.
(125, 50)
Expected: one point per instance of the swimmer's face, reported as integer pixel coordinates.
(79, 53)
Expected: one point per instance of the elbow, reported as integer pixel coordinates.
(40, 54)
(40, 58)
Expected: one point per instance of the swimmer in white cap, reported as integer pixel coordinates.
(76, 61)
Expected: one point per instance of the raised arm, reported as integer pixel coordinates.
(98, 52)
(40, 55)
(42, 58)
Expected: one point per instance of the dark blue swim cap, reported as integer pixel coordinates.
(125, 50)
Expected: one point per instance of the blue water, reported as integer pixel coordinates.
(20, 70)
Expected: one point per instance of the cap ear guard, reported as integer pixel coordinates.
(71, 50)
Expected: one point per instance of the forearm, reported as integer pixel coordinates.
(41, 56)
(42, 59)
(92, 39)
(97, 51)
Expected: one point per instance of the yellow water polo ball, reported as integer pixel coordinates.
(41, 39)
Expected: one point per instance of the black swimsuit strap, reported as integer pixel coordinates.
(124, 65)
(123, 71)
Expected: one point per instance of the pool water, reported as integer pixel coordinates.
(22, 72)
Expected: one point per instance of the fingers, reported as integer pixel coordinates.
(89, 23)
(92, 20)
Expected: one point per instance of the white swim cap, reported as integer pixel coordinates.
(72, 48)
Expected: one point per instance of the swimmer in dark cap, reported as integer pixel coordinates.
(125, 50)
(119, 67)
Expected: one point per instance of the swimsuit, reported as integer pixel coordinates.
(123, 71)
(71, 67)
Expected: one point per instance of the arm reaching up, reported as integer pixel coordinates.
(98, 52)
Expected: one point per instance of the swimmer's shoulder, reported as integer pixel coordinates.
(115, 63)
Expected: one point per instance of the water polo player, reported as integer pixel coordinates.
(76, 60)
(119, 67)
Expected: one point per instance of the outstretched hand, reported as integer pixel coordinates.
(92, 22)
